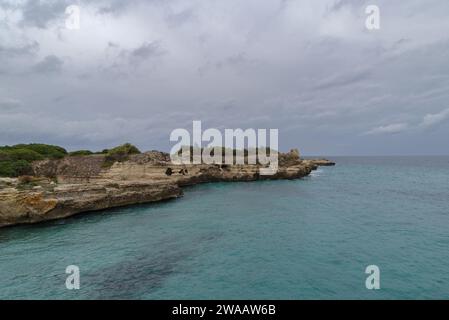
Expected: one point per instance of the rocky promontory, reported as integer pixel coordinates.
(59, 188)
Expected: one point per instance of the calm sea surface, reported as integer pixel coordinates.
(303, 239)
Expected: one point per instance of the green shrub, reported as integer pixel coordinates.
(14, 154)
(4, 156)
(15, 168)
(120, 154)
(46, 150)
(16, 160)
(126, 148)
(80, 153)
(6, 169)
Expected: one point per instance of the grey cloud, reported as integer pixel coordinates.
(389, 129)
(339, 4)
(145, 51)
(116, 7)
(20, 54)
(344, 79)
(123, 61)
(7, 104)
(179, 18)
(431, 120)
(96, 133)
(23, 50)
(113, 7)
(234, 60)
(40, 13)
(50, 64)
(112, 44)
(144, 68)
(428, 121)
(284, 4)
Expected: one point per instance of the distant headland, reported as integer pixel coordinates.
(40, 182)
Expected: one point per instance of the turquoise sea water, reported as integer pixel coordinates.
(303, 239)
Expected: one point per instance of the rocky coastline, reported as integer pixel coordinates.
(60, 188)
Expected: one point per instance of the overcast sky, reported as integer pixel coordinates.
(136, 70)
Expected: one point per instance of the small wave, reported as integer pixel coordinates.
(316, 173)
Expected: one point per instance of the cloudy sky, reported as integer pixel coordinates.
(136, 70)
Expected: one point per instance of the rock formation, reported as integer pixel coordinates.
(64, 187)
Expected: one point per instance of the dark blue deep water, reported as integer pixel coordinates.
(303, 239)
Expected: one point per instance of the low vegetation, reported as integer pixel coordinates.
(120, 154)
(47, 151)
(16, 160)
(80, 153)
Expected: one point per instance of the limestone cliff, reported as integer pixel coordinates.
(61, 188)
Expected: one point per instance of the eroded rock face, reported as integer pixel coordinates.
(72, 185)
(30, 206)
(80, 168)
(21, 207)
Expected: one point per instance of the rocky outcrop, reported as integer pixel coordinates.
(40, 204)
(61, 188)
(79, 168)
(322, 162)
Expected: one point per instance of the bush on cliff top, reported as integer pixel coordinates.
(19, 154)
(16, 160)
(46, 150)
(120, 154)
(15, 168)
(126, 148)
(80, 153)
